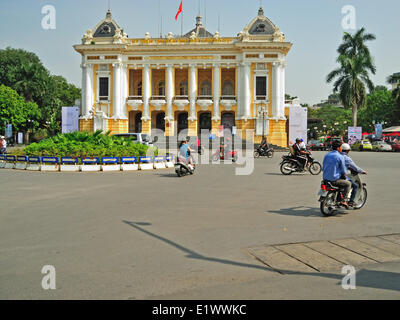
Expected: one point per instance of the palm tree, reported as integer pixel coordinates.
(352, 77)
(394, 79)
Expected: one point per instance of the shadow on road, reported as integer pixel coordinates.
(364, 278)
(305, 212)
(167, 175)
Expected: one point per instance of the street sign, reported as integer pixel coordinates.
(20, 138)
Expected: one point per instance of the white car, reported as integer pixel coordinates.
(142, 138)
(381, 146)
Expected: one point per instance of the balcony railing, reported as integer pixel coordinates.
(135, 98)
(185, 97)
(262, 98)
(204, 97)
(157, 98)
(228, 98)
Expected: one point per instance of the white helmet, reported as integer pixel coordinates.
(346, 147)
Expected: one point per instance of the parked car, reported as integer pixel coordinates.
(396, 147)
(380, 145)
(328, 142)
(315, 145)
(362, 145)
(142, 138)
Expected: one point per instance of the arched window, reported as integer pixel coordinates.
(227, 89)
(183, 88)
(205, 88)
(139, 89)
(161, 88)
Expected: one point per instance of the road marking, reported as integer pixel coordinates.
(366, 250)
(328, 255)
(393, 237)
(311, 257)
(383, 244)
(278, 260)
(339, 253)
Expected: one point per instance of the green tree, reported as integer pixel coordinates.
(352, 77)
(16, 111)
(24, 72)
(395, 79)
(380, 106)
(335, 119)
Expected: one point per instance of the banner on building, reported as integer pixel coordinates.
(70, 119)
(378, 130)
(297, 124)
(354, 134)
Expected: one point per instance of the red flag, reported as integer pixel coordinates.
(179, 11)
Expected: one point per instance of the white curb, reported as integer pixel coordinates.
(70, 168)
(90, 168)
(169, 164)
(130, 167)
(159, 165)
(111, 167)
(20, 166)
(49, 167)
(146, 166)
(9, 165)
(33, 167)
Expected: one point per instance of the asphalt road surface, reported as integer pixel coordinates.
(152, 235)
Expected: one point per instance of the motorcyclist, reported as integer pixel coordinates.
(353, 167)
(3, 145)
(184, 151)
(334, 170)
(264, 144)
(300, 152)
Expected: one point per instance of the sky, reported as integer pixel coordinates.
(313, 26)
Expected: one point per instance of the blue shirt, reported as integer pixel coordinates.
(184, 150)
(333, 166)
(350, 163)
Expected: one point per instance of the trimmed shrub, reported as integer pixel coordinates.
(84, 144)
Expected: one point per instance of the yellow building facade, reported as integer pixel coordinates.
(198, 81)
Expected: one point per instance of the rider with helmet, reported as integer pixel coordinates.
(334, 170)
(353, 167)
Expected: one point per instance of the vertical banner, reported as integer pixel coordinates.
(297, 124)
(20, 138)
(378, 130)
(9, 132)
(70, 119)
(354, 134)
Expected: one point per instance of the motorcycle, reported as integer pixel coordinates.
(289, 165)
(263, 152)
(220, 155)
(182, 166)
(330, 196)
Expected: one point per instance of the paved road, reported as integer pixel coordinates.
(148, 235)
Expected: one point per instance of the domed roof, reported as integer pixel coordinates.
(261, 25)
(107, 27)
(199, 31)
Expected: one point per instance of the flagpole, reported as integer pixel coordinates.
(182, 23)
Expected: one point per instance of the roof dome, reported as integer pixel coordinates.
(261, 25)
(107, 27)
(199, 31)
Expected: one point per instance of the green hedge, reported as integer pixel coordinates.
(84, 144)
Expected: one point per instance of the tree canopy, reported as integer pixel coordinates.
(24, 72)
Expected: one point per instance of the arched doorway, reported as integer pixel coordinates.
(228, 120)
(160, 121)
(204, 122)
(135, 121)
(182, 121)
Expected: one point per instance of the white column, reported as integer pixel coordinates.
(124, 92)
(239, 90)
(117, 91)
(275, 89)
(87, 89)
(281, 110)
(192, 92)
(169, 92)
(146, 93)
(246, 91)
(216, 90)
